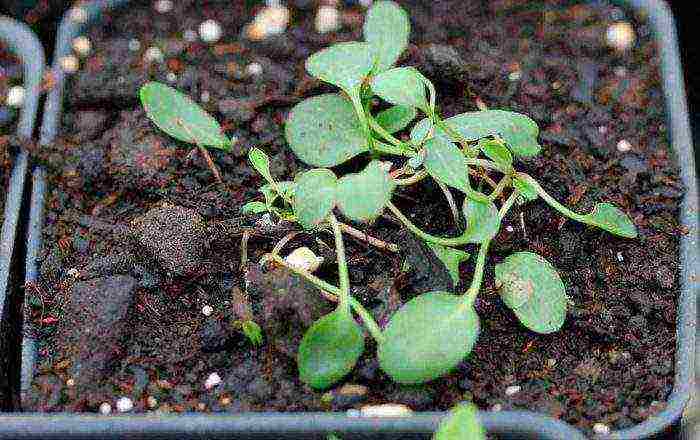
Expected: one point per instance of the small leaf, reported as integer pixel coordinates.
(180, 117)
(401, 86)
(421, 131)
(612, 219)
(253, 332)
(497, 152)
(325, 131)
(428, 337)
(314, 196)
(524, 188)
(254, 208)
(396, 118)
(363, 196)
(285, 188)
(330, 349)
(345, 65)
(461, 424)
(261, 163)
(386, 29)
(483, 221)
(451, 258)
(446, 163)
(531, 287)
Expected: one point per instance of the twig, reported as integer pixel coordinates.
(244, 249)
(368, 238)
(286, 239)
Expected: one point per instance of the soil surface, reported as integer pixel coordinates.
(10, 75)
(139, 238)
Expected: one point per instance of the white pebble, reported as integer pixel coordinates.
(153, 55)
(205, 97)
(386, 410)
(497, 407)
(73, 272)
(213, 380)
(152, 402)
(366, 3)
(171, 77)
(304, 259)
(78, 15)
(82, 45)
(69, 63)
(189, 35)
(15, 96)
(602, 129)
(624, 146)
(620, 71)
(105, 408)
(210, 31)
(551, 362)
(272, 20)
(515, 76)
(70, 382)
(601, 429)
(513, 390)
(620, 258)
(620, 36)
(125, 404)
(327, 19)
(254, 69)
(509, 228)
(353, 413)
(207, 310)
(163, 6)
(134, 45)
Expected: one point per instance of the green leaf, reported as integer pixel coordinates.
(531, 287)
(254, 208)
(253, 332)
(180, 117)
(446, 163)
(402, 86)
(517, 130)
(612, 219)
(497, 152)
(386, 29)
(325, 131)
(345, 65)
(461, 424)
(330, 349)
(286, 189)
(363, 196)
(428, 337)
(483, 221)
(421, 131)
(261, 163)
(314, 196)
(524, 188)
(451, 258)
(396, 118)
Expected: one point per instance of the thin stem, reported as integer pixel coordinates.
(484, 163)
(486, 178)
(551, 200)
(381, 131)
(343, 275)
(370, 324)
(368, 238)
(382, 147)
(420, 175)
(360, 110)
(502, 184)
(454, 241)
(450, 202)
(207, 157)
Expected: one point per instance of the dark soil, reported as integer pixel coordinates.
(118, 183)
(10, 75)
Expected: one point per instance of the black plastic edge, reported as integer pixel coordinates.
(313, 425)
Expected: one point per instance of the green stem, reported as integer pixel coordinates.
(381, 131)
(454, 241)
(343, 275)
(502, 184)
(551, 201)
(360, 110)
(381, 147)
(484, 163)
(420, 175)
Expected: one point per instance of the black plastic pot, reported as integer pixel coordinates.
(518, 424)
(24, 44)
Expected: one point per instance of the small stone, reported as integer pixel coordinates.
(551, 363)
(201, 406)
(513, 390)
(207, 310)
(124, 404)
(386, 410)
(69, 64)
(304, 259)
(205, 97)
(366, 3)
(327, 19)
(272, 20)
(78, 15)
(213, 380)
(620, 36)
(171, 77)
(152, 402)
(601, 429)
(497, 407)
(225, 401)
(509, 228)
(515, 76)
(347, 395)
(70, 382)
(254, 69)
(153, 55)
(624, 146)
(163, 6)
(75, 273)
(602, 129)
(210, 31)
(620, 71)
(620, 258)
(189, 35)
(82, 45)
(134, 45)
(353, 413)
(105, 408)
(15, 96)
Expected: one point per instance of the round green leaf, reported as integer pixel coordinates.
(363, 196)
(254, 208)
(345, 65)
(386, 29)
(330, 349)
(446, 163)
(401, 86)
(483, 221)
(531, 287)
(497, 152)
(428, 337)
(180, 117)
(325, 131)
(451, 258)
(314, 196)
(611, 219)
(396, 118)
(461, 424)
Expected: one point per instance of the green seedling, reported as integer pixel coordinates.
(435, 331)
(462, 423)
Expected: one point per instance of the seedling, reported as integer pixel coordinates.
(435, 331)
(462, 423)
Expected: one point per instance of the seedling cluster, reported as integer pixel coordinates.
(433, 332)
